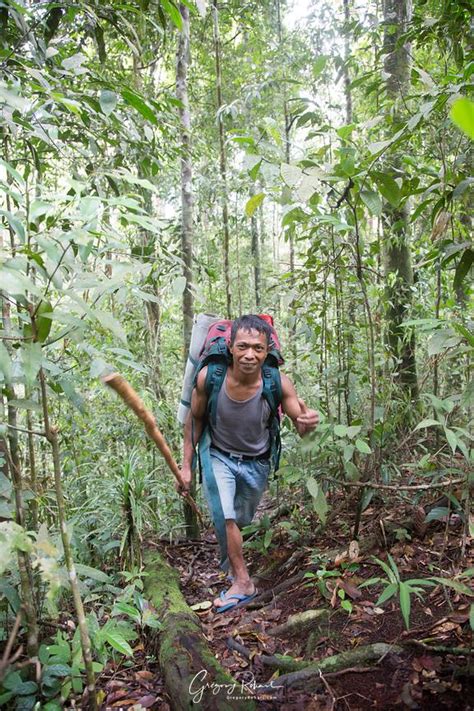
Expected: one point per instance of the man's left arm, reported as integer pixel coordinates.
(304, 419)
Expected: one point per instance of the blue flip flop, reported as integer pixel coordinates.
(240, 601)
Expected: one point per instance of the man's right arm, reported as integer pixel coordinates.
(193, 428)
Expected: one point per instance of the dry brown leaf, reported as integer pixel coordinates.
(144, 674)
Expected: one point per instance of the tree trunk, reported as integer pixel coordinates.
(186, 662)
(255, 248)
(398, 268)
(182, 63)
(222, 158)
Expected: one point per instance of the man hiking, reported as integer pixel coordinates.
(236, 444)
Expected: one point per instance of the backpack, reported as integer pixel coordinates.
(216, 357)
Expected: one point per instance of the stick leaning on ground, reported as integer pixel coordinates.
(118, 383)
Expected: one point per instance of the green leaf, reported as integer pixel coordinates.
(455, 585)
(178, 285)
(110, 323)
(353, 430)
(85, 571)
(254, 171)
(267, 539)
(319, 499)
(118, 642)
(405, 603)
(352, 472)
(389, 592)
(15, 223)
(463, 268)
(471, 617)
(123, 608)
(139, 104)
(362, 446)
(389, 188)
(318, 65)
(429, 422)
(5, 364)
(107, 101)
(173, 13)
(254, 202)
(43, 321)
(14, 173)
(340, 430)
(291, 174)
(372, 200)
(31, 357)
(452, 439)
(462, 114)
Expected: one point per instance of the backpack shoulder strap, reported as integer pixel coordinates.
(272, 390)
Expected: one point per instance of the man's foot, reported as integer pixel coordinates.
(244, 591)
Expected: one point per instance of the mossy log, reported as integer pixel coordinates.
(193, 677)
(307, 675)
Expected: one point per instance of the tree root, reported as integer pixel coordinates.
(192, 675)
(312, 619)
(308, 674)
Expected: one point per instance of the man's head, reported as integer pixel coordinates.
(249, 344)
(250, 322)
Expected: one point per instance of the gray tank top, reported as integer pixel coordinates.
(242, 425)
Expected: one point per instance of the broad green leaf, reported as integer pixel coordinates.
(352, 472)
(254, 171)
(362, 446)
(253, 203)
(110, 323)
(405, 603)
(267, 539)
(441, 340)
(389, 188)
(123, 608)
(468, 335)
(372, 200)
(15, 223)
(471, 617)
(462, 114)
(43, 321)
(85, 571)
(319, 500)
(463, 268)
(107, 101)
(39, 208)
(429, 422)
(14, 173)
(318, 65)
(452, 439)
(31, 358)
(340, 430)
(5, 364)
(178, 285)
(353, 430)
(118, 642)
(291, 174)
(140, 105)
(173, 13)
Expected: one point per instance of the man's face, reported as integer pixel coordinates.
(249, 350)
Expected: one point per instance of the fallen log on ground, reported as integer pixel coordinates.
(193, 677)
(309, 620)
(308, 674)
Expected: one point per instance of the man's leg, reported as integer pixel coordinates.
(241, 583)
(251, 481)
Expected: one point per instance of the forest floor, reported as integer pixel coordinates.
(433, 669)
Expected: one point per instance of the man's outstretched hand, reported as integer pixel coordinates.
(307, 421)
(184, 486)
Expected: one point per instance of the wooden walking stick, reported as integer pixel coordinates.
(118, 383)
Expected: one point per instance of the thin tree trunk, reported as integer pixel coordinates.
(51, 433)
(398, 267)
(182, 64)
(13, 458)
(255, 249)
(222, 158)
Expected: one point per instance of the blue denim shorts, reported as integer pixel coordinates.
(241, 484)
